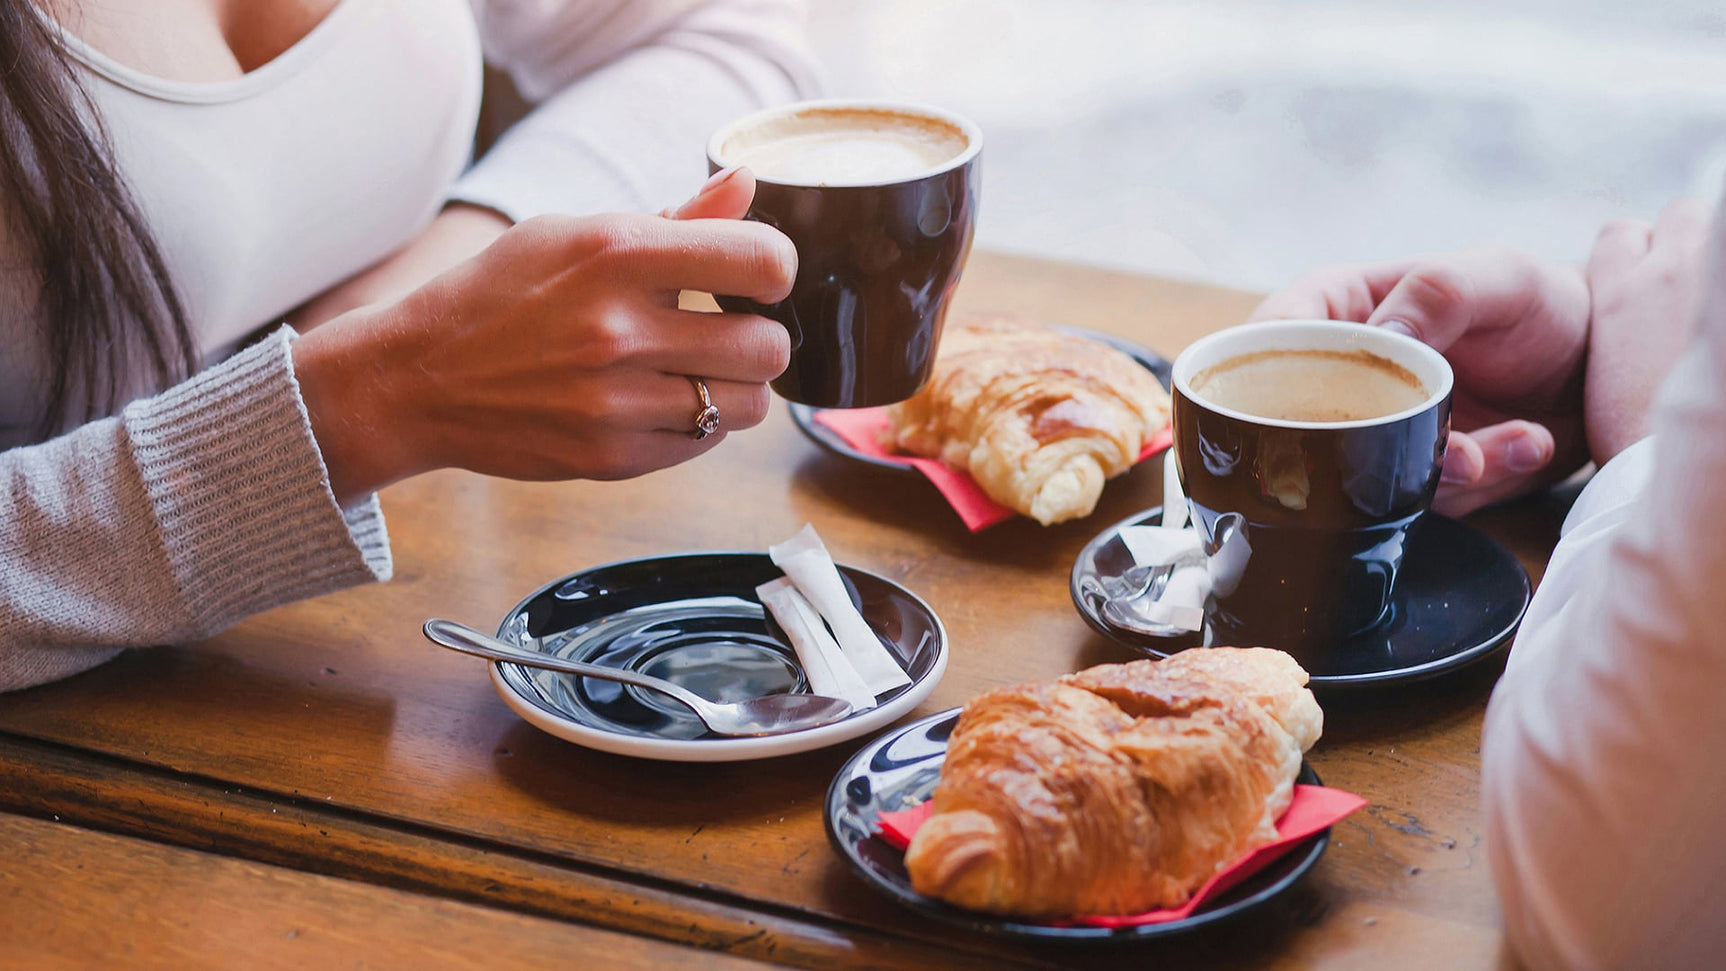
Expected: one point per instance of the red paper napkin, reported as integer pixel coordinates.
(861, 429)
(1312, 809)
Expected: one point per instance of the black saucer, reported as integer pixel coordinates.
(694, 619)
(899, 769)
(1458, 600)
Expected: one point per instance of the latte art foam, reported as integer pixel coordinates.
(844, 146)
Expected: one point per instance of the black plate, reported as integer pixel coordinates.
(899, 770)
(1458, 600)
(804, 415)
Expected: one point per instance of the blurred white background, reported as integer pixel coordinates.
(1242, 141)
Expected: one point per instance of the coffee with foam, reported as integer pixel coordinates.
(880, 200)
(1311, 385)
(844, 146)
(1309, 450)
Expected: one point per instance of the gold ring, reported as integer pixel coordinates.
(707, 419)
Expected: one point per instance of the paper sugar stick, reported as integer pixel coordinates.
(824, 664)
(1182, 603)
(1161, 545)
(1174, 502)
(805, 560)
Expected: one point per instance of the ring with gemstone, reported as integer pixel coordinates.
(707, 419)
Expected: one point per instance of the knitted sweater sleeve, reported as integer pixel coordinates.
(184, 514)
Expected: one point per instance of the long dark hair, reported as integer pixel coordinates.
(105, 294)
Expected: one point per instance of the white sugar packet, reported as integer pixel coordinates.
(1162, 546)
(1174, 500)
(1182, 600)
(804, 559)
(824, 664)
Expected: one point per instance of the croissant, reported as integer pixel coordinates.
(1038, 416)
(1116, 790)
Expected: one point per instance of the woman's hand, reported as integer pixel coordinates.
(458, 233)
(1515, 330)
(461, 231)
(558, 352)
(1646, 281)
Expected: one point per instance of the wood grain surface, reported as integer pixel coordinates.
(337, 715)
(73, 898)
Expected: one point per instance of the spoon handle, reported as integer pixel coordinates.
(460, 637)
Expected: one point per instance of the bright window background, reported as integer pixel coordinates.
(1242, 141)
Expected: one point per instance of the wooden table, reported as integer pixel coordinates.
(329, 738)
(79, 899)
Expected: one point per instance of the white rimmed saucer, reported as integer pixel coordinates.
(693, 619)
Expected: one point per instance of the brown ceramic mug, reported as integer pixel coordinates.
(880, 200)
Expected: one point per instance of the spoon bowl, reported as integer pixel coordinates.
(769, 715)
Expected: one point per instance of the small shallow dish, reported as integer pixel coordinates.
(1458, 600)
(803, 416)
(900, 769)
(693, 619)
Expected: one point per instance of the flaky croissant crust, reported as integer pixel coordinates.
(1039, 417)
(1116, 790)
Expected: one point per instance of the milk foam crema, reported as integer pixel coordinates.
(1311, 385)
(844, 146)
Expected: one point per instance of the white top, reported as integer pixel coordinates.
(268, 189)
(1604, 752)
(207, 503)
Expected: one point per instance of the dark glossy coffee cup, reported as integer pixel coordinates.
(879, 252)
(1305, 521)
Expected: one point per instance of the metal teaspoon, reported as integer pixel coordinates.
(770, 715)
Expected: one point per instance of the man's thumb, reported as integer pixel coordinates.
(1432, 303)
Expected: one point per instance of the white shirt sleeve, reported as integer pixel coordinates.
(1604, 749)
(628, 92)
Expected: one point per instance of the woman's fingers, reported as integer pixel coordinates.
(671, 402)
(728, 346)
(622, 403)
(726, 195)
(626, 424)
(653, 255)
(727, 257)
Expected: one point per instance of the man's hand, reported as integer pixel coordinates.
(1515, 330)
(1646, 281)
